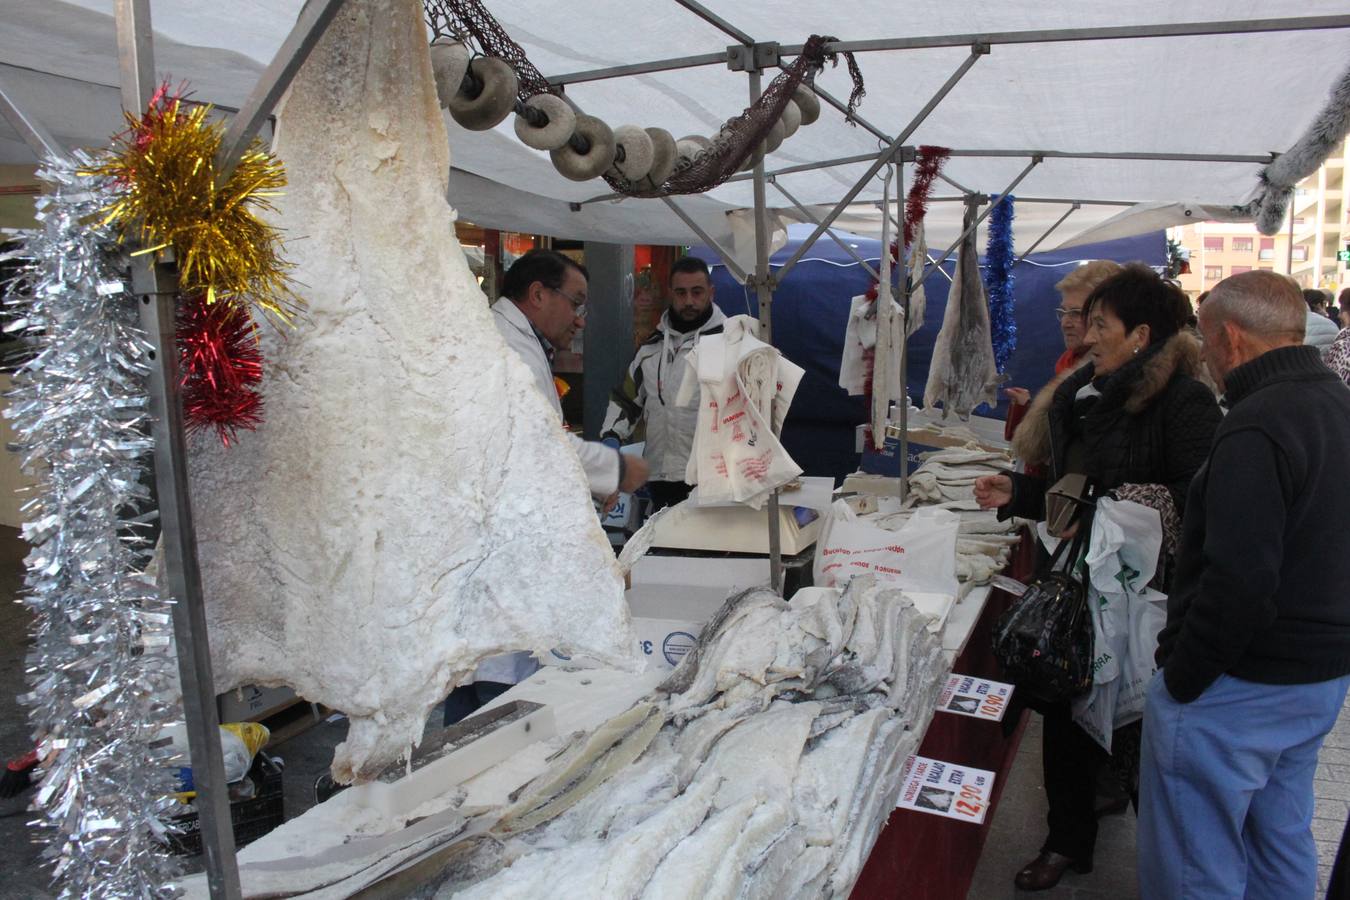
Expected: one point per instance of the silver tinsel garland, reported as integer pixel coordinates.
(100, 671)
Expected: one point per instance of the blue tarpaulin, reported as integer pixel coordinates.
(810, 314)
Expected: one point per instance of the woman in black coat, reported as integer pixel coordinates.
(1136, 421)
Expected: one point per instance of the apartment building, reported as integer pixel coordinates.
(1311, 253)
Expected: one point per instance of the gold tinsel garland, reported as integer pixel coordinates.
(224, 251)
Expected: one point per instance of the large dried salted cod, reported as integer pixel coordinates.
(962, 374)
(410, 505)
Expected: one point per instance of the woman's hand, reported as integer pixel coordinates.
(1018, 396)
(993, 491)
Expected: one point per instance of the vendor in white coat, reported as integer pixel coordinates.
(654, 379)
(544, 304)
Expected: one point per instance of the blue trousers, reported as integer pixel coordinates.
(1226, 789)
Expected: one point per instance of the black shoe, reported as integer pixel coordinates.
(1044, 872)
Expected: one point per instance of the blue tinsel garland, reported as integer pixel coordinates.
(999, 257)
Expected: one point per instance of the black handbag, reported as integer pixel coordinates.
(1044, 641)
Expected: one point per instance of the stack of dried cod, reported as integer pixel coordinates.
(946, 479)
(764, 766)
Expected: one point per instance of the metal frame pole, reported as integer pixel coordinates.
(884, 157)
(731, 264)
(33, 132)
(1047, 36)
(1058, 222)
(155, 287)
(313, 20)
(829, 232)
(982, 216)
(764, 298)
(906, 290)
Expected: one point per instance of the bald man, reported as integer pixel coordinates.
(1255, 654)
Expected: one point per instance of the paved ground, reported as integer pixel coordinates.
(1019, 828)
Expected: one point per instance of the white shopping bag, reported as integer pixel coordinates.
(1122, 558)
(919, 557)
(744, 388)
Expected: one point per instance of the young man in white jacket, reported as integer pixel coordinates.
(654, 379)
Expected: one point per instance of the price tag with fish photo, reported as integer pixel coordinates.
(946, 789)
(980, 698)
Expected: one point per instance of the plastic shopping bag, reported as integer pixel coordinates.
(1148, 615)
(920, 556)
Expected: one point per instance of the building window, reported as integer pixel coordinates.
(1267, 249)
(1213, 273)
(1300, 253)
(1298, 220)
(1242, 245)
(1213, 245)
(1238, 270)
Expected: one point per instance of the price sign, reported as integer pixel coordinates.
(946, 789)
(980, 698)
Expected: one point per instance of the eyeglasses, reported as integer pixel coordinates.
(578, 306)
(1061, 313)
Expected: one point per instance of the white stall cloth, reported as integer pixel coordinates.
(744, 388)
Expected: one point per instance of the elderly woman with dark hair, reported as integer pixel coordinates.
(1138, 424)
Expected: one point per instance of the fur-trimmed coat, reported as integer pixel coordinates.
(1152, 424)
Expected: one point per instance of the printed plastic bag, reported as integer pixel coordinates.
(1122, 558)
(921, 556)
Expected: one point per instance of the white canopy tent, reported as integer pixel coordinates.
(1087, 102)
(1084, 121)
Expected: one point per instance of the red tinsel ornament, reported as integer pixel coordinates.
(221, 367)
(927, 164)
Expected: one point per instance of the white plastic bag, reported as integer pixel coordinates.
(1122, 558)
(920, 556)
(744, 388)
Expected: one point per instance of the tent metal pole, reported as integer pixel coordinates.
(717, 21)
(1261, 158)
(33, 132)
(730, 263)
(1116, 33)
(1109, 33)
(982, 216)
(843, 245)
(1063, 200)
(954, 183)
(885, 156)
(314, 19)
(840, 105)
(155, 286)
(906, 290)
(1058, 222)
(764, 296)
(643, 68)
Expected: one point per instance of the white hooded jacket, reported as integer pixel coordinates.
(654, 379)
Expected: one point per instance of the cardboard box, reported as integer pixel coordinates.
(671, 599)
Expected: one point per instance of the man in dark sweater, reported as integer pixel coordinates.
(1255, 655)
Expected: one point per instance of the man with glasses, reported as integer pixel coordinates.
(1073, 293)
(543, 305)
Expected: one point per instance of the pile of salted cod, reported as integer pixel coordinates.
(764, 766)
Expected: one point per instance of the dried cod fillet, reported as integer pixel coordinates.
(384, 529)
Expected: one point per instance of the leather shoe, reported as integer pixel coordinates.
(1044, 872)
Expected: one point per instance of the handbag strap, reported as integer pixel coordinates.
(1074, 545)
